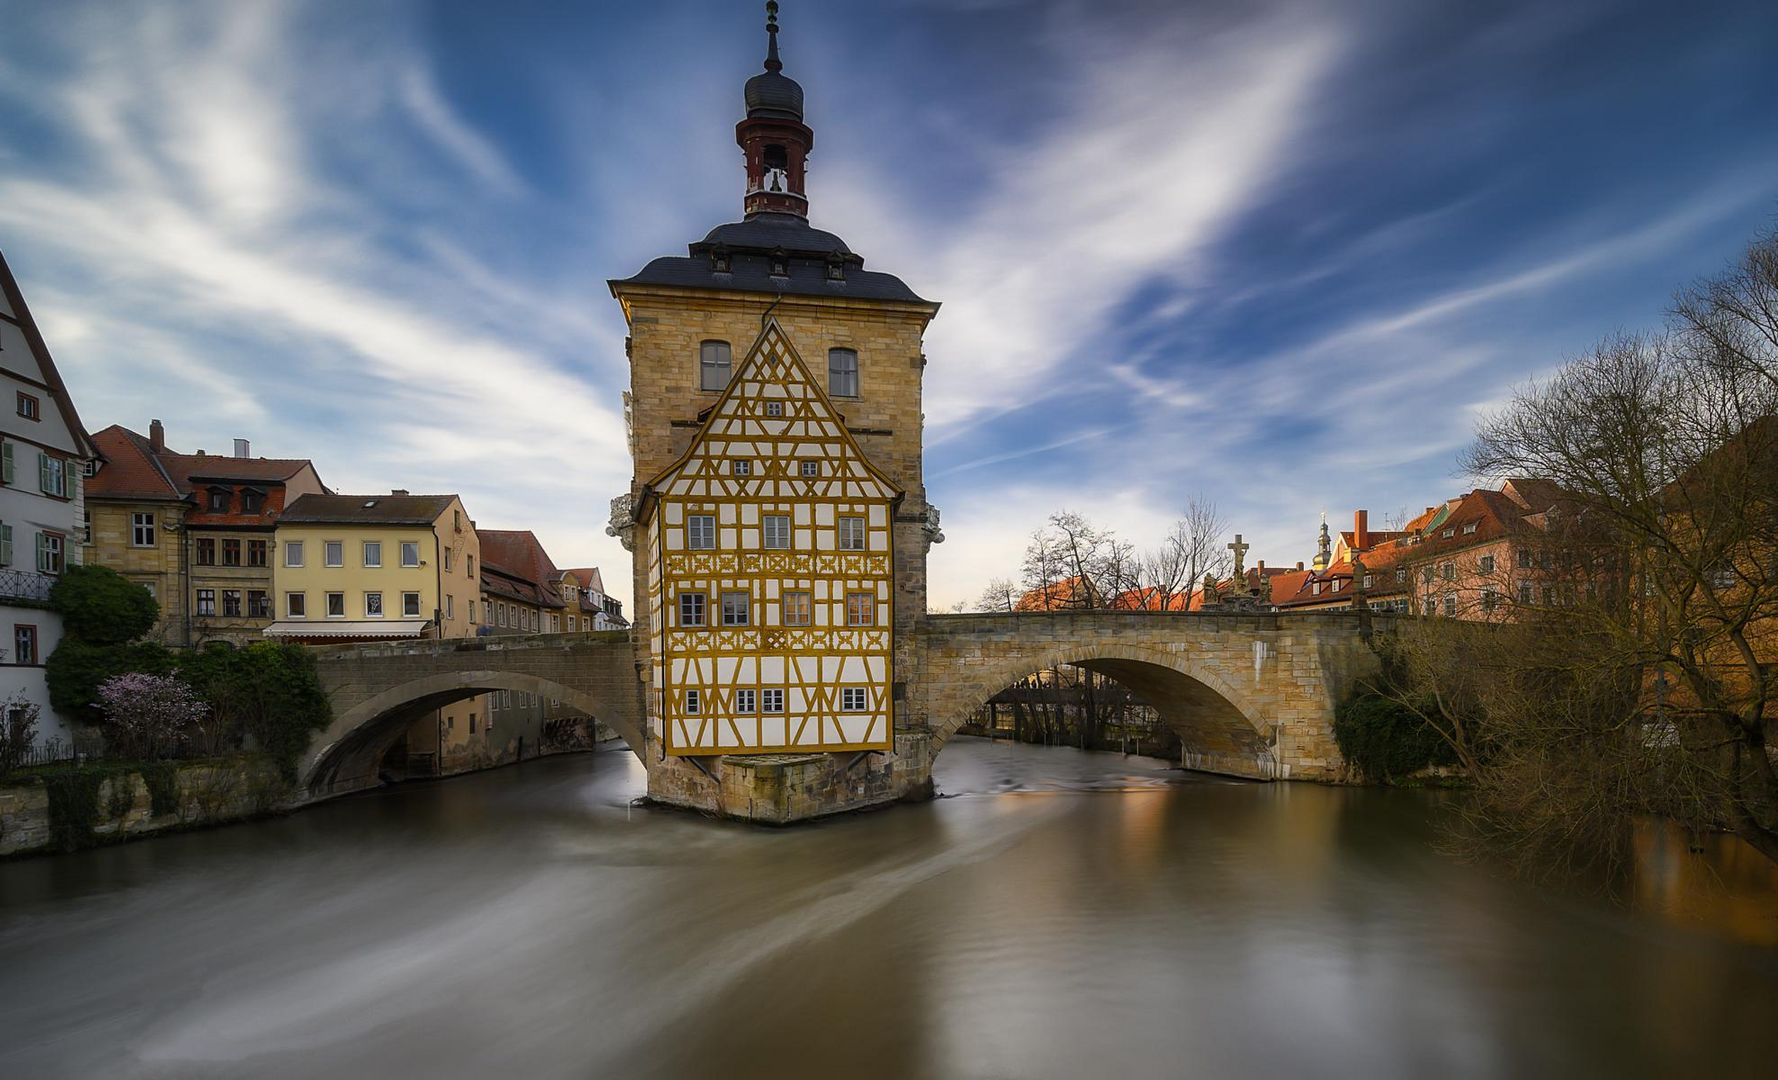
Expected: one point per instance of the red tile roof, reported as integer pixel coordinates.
(518, 554)
(131, 469)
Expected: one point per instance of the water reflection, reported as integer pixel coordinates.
(1057, 914)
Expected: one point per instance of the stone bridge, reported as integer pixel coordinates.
(1251, 695)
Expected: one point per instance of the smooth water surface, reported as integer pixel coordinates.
(1058, 914)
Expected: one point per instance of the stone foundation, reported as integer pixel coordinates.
(777, 789)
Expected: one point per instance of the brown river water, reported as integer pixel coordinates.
(1057, 914)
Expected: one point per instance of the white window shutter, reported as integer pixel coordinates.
(6, 542)
(6, 463)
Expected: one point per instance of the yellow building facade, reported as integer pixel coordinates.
(363, 567)
(771, 574)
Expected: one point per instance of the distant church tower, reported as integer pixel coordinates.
(777, 511)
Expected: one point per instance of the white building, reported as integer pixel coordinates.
(44, 451)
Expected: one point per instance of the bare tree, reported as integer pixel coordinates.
(1192, 548)
(1001, 594)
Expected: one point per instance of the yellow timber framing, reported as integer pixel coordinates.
(810, 664)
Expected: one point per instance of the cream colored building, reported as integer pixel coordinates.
(367, 567)
(771, 574)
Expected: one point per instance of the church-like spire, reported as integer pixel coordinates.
(773, 135)
(772, 61)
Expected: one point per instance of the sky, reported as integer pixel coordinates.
(1275, 254)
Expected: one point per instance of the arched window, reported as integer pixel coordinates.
(842, 372)
(713, 365)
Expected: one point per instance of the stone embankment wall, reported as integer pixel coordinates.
(208, 794)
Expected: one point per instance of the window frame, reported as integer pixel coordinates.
(328, 602)
(30, 406)
(766, 523)
(142, 523)
(707, 349)
(839, 374)
(22, 632)
(373, 597)
(767, 696)
(204, 603)
(364, 553)
(691, 531)
(297, 545)
(328, 559)
(847, 698)
(694, 609)
(405, 546)
(741, 615)
(299, 609)
(807, 607)
(840, 526)
(415, 612)
(868, 610)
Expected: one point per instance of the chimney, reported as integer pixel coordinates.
(1429, 509)
(398, 491)
(157, 436)
(1262, 567)
(1299, 564)
(1361, 533)
(243, 448)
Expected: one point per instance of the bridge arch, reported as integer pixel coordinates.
(1222, 727)
(359, 736)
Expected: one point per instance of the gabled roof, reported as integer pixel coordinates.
(738, 417)
(587, 577)
(366, 509)
(46, 365)
(194, 469)
(131, 470)
(518, 554)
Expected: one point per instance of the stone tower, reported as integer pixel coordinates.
(692, 318)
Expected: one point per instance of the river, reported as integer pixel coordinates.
(1056, 914)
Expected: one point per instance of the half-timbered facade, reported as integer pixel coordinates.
(771, 574)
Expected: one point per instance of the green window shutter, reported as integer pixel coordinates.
(5, 463)
(5, 545)
(70, 471)
(42, 553)
(43, 472)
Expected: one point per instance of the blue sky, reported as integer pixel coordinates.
(1276, 253)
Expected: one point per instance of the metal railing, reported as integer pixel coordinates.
(26, 585)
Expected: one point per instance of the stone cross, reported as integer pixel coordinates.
(1240, 550)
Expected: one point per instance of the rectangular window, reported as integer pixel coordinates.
(854, 699)
(256, 552)
(450, 606)
(28, 407)
(206, 601)
(500, 613)
(744, 701)
(734, 608)
(700, 532)
(410, 553)
(204, 551)
(1401, 574)
(691, 609)
(851, 534)
(1487, 564)
(1549, 597)
(774, 408)
(231, 553)
(713, 365)
(1470, 528)
(373, 605)
(469, 566)
(218, 500)
(231, 603)
(296, 605)
(373, 553)
(447, 560)
(796, 608)
(336, 605)
(740, 467)
(293, 553)
(861, 609)
(842, 372)
(24, 643)
(1524, 558)
(775, 531)
(333, 553)
(1427, 606)
(142, 531)
(811, 468)
(49, 553)
(692, 702)
(1448, 571)
(410, 605)
(251, 500)
(1489, 599)
(1451, 605)
(259, 604)
(771, 701)
(1525, 593)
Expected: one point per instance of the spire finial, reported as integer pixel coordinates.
(772, 61)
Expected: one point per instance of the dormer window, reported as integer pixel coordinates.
(218, 502)
(720, 261)
(252, 500)
(836, 269)
(1467, 529)
(780, 263)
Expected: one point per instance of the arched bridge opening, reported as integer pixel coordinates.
(361, 735)
(1219, 729)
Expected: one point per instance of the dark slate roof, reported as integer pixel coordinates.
(750, 245)
(354, 509)
(764, 232)
(770, 94)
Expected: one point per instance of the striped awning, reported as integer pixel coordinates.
(343, 628)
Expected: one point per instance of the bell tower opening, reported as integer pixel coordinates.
(773, 137)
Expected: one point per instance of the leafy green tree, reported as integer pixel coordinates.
(77, 668)
(102, 607)
(269, 691)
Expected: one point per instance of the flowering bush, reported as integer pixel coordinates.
(149, 716)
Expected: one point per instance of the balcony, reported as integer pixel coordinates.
(25, 587)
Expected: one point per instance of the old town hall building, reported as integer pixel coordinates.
(777, 509)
